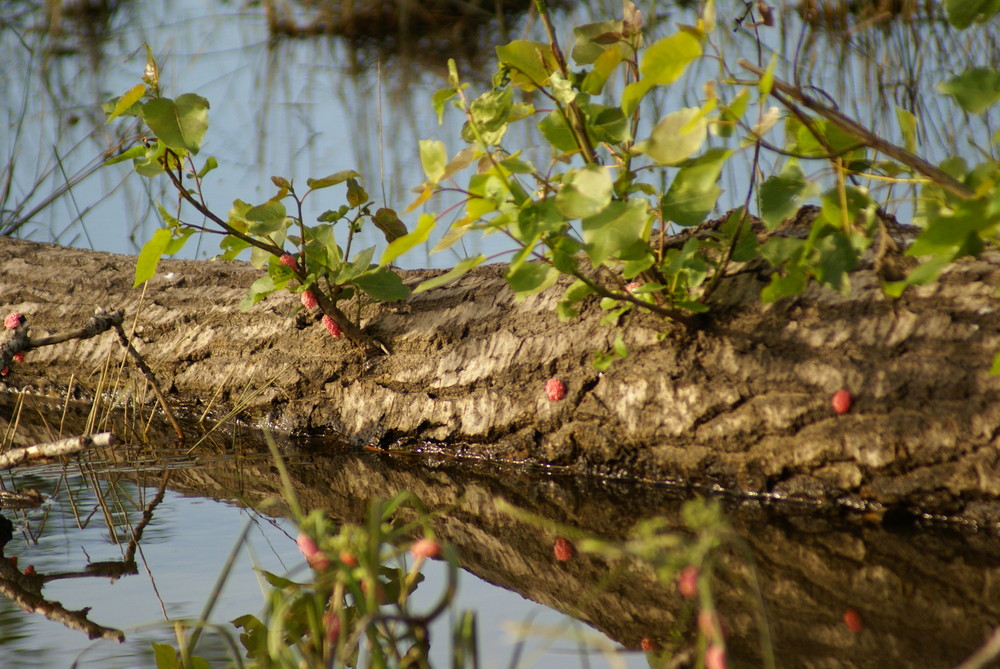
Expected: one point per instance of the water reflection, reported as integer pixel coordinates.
(913, 596)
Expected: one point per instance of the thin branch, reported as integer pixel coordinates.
(852, 127)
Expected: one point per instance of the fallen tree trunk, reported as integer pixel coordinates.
(742, 403)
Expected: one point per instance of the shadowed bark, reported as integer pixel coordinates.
(743, 402)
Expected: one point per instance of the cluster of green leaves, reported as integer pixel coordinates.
(358, 597)
(355, 608)
(589, 207)
(567, 218)
(322, 265)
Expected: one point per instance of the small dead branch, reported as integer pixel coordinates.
(151, 378)
(15, 340)
(55, 449)
(21, 589)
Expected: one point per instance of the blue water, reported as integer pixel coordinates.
(180, 558)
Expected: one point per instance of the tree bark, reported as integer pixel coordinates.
(742, 403)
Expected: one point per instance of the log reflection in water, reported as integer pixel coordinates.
(922, 596)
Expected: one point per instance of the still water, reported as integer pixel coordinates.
(924, 596)
(78, 542)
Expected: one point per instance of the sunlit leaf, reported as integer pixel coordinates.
(619, 227)
(400, 246)
(664, 61)
(266, 218)
(908, 127)
(210, 164)
(126, 101)
(605, 64)
(439, 98)
(585, 192)
(135, 152)
(975, 90)
(491, 110)
(383, 284)
(694, 191)
(333, 179)
(180, 124)
(149, 256)
(767, 80)
(634, 93)
(676, 137)
(528, 278)
(532, 62)
(593, 40)
(451, 275)
(433, 157)
(782, 194)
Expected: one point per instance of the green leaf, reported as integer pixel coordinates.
(676, 137)
(151, 163)
(359, 265)
(136, 151)
(694, 191)
(767, 81)
(557, 132)
(837, 258)
(149, 256)
(266, 218)
(594, 39)
(210, 164)
(792, 283)
(433, 157)
(976, 90)
(781, 195)
(860, 208)
(962, 13)
(585, 192)
(454, 273)
(531, 62)
(356, 194)
(180, 124)
(258, 290)
(608, 124)
(665, 60)
(634, 93)
(908, 127)
(619, 227)
(333, 179)
(995, 367)
(531, 277)
(604, 66)
(165, 656)
(439, 98)
(400, 246)
(388, 222)
(491, 110)
(383, 284)
(126, 101)
(578, 290)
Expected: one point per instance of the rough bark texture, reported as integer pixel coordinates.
(925, 599)
(743, 402)
(926, 596)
